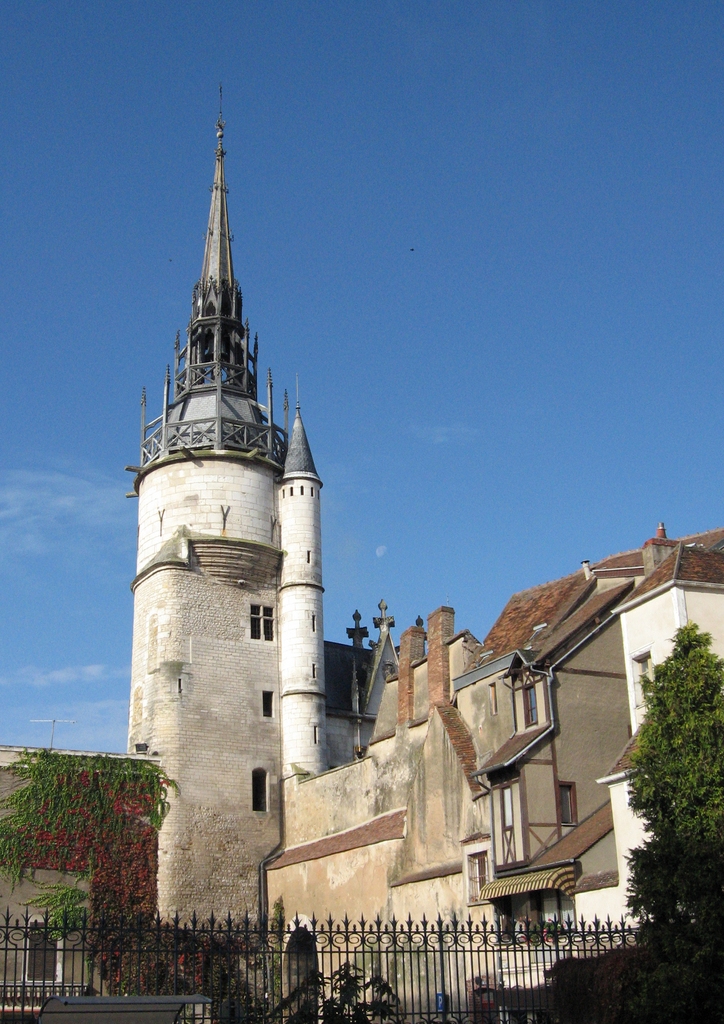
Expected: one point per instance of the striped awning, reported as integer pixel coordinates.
(555, 878)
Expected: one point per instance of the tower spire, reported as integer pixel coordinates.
(218, 264)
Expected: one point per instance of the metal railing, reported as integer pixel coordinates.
(441, 971)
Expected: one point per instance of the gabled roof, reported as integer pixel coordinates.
(547, 603)
(581, 838)
(685, 565)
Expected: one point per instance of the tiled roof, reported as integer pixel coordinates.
(623, 761)
(461, 740)
(513, 748)
(625, 563)
(454, 867)
(595, 610)
(686, 565)
(377, 830)
(547, 603)
(707, 539)
(579, 839)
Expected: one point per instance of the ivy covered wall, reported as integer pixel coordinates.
(91, 817)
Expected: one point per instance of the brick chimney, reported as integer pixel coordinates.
(656, 549)
(440, 628)
(412, 648)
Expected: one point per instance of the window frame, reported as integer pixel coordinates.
(475, 882)
(571, 788)
(267, 703)
(530, 707)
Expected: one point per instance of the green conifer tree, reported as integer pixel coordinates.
(677, 875)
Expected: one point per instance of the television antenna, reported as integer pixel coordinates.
(48, 721)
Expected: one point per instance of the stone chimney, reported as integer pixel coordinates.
(657, 549)
(440, 628)
(412, 648)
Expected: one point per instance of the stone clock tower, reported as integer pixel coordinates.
(228, 639)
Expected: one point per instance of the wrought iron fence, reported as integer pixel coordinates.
(301, 972)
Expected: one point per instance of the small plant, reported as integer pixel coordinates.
(63, 904)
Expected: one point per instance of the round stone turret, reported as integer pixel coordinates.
(301, 627)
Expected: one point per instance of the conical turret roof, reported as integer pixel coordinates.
(299, 461)
(217, 252)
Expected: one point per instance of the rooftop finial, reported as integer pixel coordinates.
(221, 123)
(297, 391)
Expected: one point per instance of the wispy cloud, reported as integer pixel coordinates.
(38, 507)
(29, 675)
(381, 550)
(443, 433)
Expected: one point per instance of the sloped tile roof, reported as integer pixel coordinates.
(625, 563)
(685, 565)
(595, 610)
(579, 839)
(623, 761)
(461, 740)
(513, 748)
(547, 603)
(376, 830)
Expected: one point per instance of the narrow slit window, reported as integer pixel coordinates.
(267, 703)
(256, 622)
(314, 623)
(180, 685)
(314, 671)
(316, 735)
(268, 623)
(312, 492)
(568, 803)
(309, 557)
(291, 492)
(301, 491)
(284, 492)
(258, 790)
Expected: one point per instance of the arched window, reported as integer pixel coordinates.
(258, 790)
(225, 347)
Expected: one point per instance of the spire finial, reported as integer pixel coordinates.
(221, 123)
(297, 392)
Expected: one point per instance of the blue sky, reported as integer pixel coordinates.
(488, 236)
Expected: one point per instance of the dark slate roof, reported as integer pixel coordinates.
(339, 661)
(579, 839)
(299, 456)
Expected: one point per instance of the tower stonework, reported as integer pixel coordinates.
(211, 625)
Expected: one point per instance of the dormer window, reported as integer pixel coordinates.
(530, 705)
